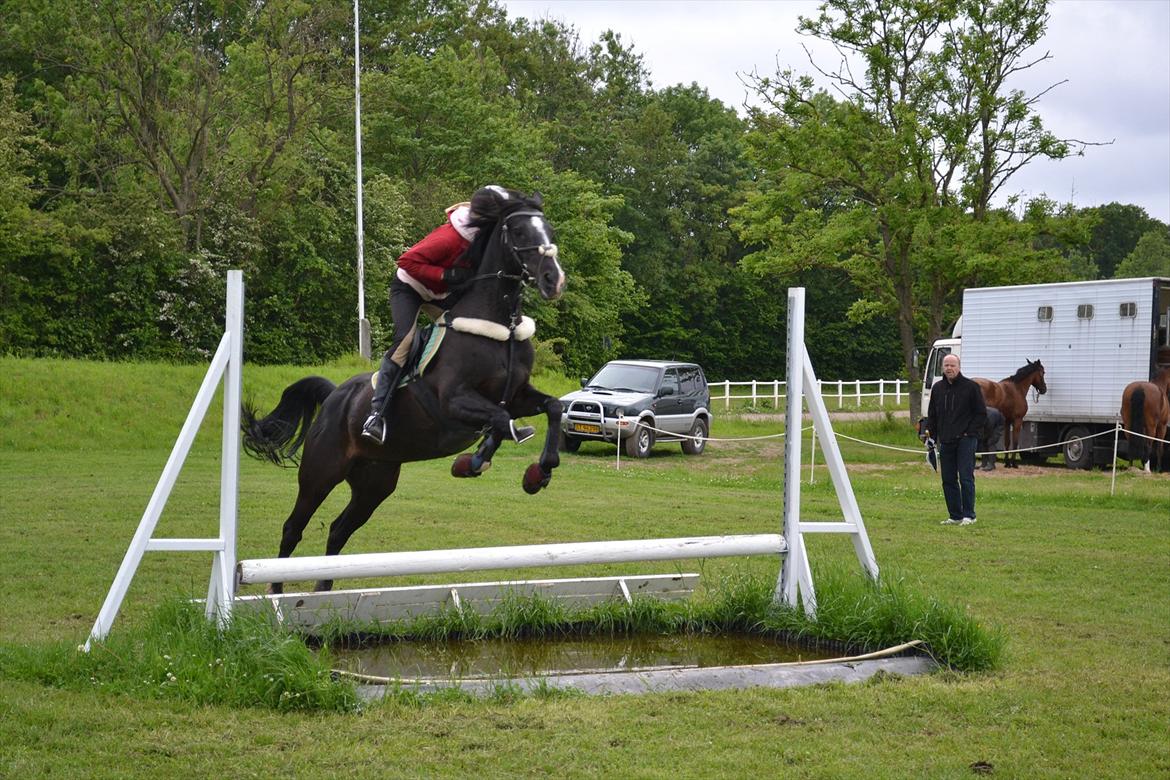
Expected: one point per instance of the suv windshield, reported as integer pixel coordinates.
(614, 376)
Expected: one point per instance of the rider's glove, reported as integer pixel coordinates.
(456, 276)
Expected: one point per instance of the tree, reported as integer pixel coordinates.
(893, 181)
(1151, 257)
(1118, 228)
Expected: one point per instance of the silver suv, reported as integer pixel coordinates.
(638, 402)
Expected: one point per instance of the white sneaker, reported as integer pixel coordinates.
(967, 521)
(951, 521)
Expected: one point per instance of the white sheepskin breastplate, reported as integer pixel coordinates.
(493, 330)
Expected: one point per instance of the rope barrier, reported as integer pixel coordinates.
(906, 449)
(711, 438)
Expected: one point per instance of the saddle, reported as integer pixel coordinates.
(423, 348)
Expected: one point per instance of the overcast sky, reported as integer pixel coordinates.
(1114, 54)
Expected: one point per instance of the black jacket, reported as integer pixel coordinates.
(956, 409)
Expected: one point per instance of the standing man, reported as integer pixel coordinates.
(955, 420)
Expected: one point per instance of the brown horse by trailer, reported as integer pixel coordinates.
(1145, 411)
(1010, 397)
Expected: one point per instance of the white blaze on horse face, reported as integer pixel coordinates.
(552, 277)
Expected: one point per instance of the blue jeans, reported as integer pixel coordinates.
(957, 467)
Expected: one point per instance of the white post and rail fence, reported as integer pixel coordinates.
(843, 391)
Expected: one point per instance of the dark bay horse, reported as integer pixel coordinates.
(1145, 410)
(1010, 397)
(476, 385)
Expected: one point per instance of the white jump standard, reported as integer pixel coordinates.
(794, 585)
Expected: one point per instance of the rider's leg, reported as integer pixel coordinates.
(404, 306)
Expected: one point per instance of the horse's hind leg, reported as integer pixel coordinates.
(316, 481)
(370, 482)
(1011, 460)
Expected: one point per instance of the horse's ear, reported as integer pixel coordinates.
(537, 199)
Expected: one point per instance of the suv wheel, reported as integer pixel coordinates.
(638, 445)
(569, 443)
(698, 438)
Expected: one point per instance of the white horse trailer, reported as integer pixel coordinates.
(1093, 338)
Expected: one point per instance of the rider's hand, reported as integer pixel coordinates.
(456, 276)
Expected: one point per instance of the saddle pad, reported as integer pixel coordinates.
(417, 364)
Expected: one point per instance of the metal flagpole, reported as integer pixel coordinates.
(363, 323)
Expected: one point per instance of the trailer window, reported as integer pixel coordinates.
(1044, 314)
(1129, 309)
(1085, 311)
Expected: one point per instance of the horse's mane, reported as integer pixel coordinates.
(488, 206)
(1024, 372)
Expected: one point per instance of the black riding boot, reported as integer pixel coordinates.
(375, 427)
(989, 462)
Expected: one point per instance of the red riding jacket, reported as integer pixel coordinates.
(422, 265)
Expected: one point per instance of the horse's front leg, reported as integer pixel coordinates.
(1017, 425)
(474, 410)
(530, 401)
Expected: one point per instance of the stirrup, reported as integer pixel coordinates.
(374, 429)
(521, 434)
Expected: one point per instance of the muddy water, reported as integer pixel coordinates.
(535, 657)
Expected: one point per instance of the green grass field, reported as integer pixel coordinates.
(1078, 581)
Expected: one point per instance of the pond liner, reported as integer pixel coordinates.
(892, 661)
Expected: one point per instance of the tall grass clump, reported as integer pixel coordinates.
(858, 612)
(178, 654)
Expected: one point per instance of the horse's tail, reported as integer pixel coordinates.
(279, 436)
(1137, 424)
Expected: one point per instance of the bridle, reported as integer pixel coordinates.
(512, 252)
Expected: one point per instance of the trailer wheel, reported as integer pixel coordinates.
(1077, 454)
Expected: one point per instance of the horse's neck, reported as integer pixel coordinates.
(1023, 385)
(493, 300)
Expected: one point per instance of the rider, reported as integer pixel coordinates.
(428, 273)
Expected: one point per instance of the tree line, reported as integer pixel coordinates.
(147, 147)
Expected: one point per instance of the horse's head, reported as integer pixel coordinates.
(1038, 382)
(525, 248)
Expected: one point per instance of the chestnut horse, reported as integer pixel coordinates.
(1145, 411)
(1010, 397)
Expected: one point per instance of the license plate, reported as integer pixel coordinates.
(586, 428)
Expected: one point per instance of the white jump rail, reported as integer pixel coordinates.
(794, 585)
(393, 564)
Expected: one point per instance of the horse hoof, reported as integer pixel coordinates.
(535, 479)
(462, 467)
(323, 585)
(275, 588)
